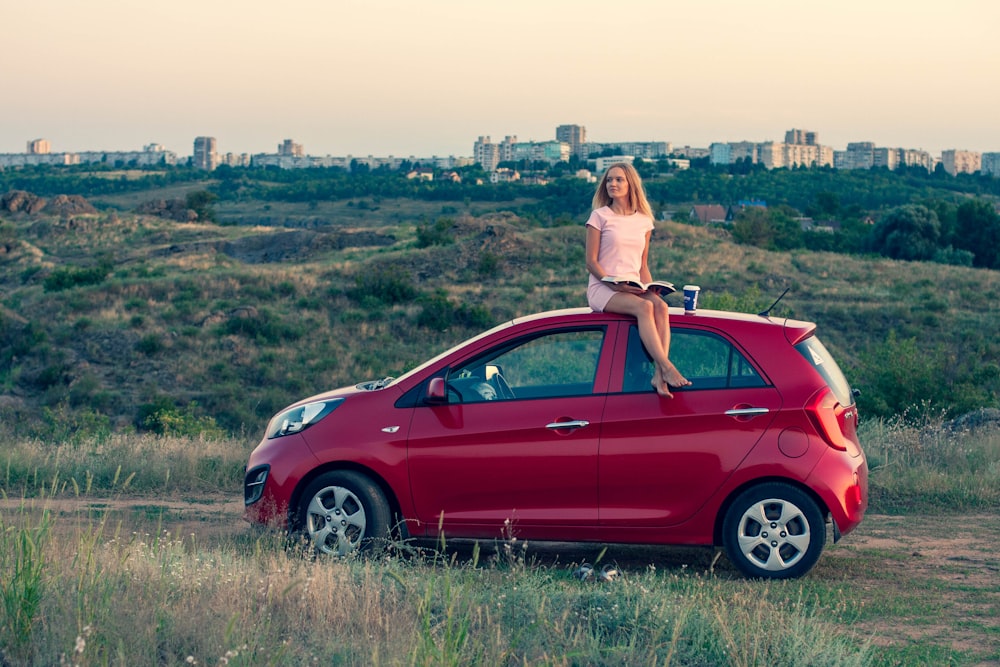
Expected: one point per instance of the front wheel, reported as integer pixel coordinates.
(342, 512)
(773, 531)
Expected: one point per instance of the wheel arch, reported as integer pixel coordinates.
(720, 515)
(397, 524)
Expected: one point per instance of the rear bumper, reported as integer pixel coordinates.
(842, 483)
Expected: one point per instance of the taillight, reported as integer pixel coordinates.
(822, 409)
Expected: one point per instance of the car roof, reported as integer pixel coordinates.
(794, 330)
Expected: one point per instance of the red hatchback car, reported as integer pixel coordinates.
(549, 423)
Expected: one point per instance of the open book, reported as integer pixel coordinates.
(661, 286)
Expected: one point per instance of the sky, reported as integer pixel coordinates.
(407, 78)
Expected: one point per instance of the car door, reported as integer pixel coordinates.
(516, 441)
(662, 459)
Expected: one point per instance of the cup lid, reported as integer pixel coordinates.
(691, 287)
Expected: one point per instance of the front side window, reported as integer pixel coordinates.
(563, 363)
(707, 360)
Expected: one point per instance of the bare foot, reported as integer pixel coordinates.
(660, 386)
(673, 378)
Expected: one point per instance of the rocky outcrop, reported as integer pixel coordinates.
(171, 209)
(20, 201)
(66, 205)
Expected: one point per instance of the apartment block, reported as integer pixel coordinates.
(910, 157)
(290, 148)
(774, 155)
(732, 152)
(887, 158)
(39, 147)
(206, 154)
(151, 155)
(961, 162)
(805, 137)
(575, 136)
(859, 155)
(990, 164)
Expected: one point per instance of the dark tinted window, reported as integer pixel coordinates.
(708, 360)
(816, 354)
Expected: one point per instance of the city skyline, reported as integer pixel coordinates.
(397, 78)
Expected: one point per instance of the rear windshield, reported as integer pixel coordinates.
(816, 354)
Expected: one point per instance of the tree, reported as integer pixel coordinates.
(977, 229)
(200, 201)
(753, 227)
(907, 232)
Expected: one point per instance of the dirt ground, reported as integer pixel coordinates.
(945, 562)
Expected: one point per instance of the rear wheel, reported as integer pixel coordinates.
(773, 531)
(342, 512)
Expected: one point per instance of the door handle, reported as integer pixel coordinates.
(576, 423)
(746, 412)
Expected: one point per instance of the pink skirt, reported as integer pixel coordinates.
(598, 295)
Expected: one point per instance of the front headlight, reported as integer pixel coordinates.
(301, 417)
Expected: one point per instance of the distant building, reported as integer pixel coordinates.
(646, 150)
(733, 152)
(803, 137)
(504, 175)
(909, 157)
(708, 213)
(39, 147)
(539, 151)
(887, 158)
(775, 155)
(151, 155)
(575, 136)
(602, 163)
(206, 154)
(859, 155)
(990, 164)
(289, 147)
(961, 162)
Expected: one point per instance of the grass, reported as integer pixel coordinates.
(120, 577)
(108, 595)
(198, 313)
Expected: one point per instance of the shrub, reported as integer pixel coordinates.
(438, 233)
(164, 418)
(437, 312)
(263, 327)
(68, 277)
(384, 285)
(150, 344)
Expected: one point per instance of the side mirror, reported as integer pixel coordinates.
(437, 392)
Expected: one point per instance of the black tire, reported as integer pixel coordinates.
(342, 512)
(773, 531)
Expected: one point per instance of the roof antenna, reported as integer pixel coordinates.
(767, 313)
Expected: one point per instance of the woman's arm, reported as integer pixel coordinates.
(644, 274)
(593, 246)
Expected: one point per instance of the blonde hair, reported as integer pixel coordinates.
(636, 194)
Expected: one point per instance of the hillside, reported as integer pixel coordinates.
(115, 319)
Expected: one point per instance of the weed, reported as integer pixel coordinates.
(22, 562)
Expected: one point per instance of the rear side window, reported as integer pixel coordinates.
(708, 360)
(816, 354)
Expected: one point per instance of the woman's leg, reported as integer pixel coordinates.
(644, 311)
(661, 316)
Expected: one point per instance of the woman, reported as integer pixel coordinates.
(618, 233)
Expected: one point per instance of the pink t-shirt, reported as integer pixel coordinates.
(623, 239)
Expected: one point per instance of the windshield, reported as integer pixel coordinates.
(816, 354)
